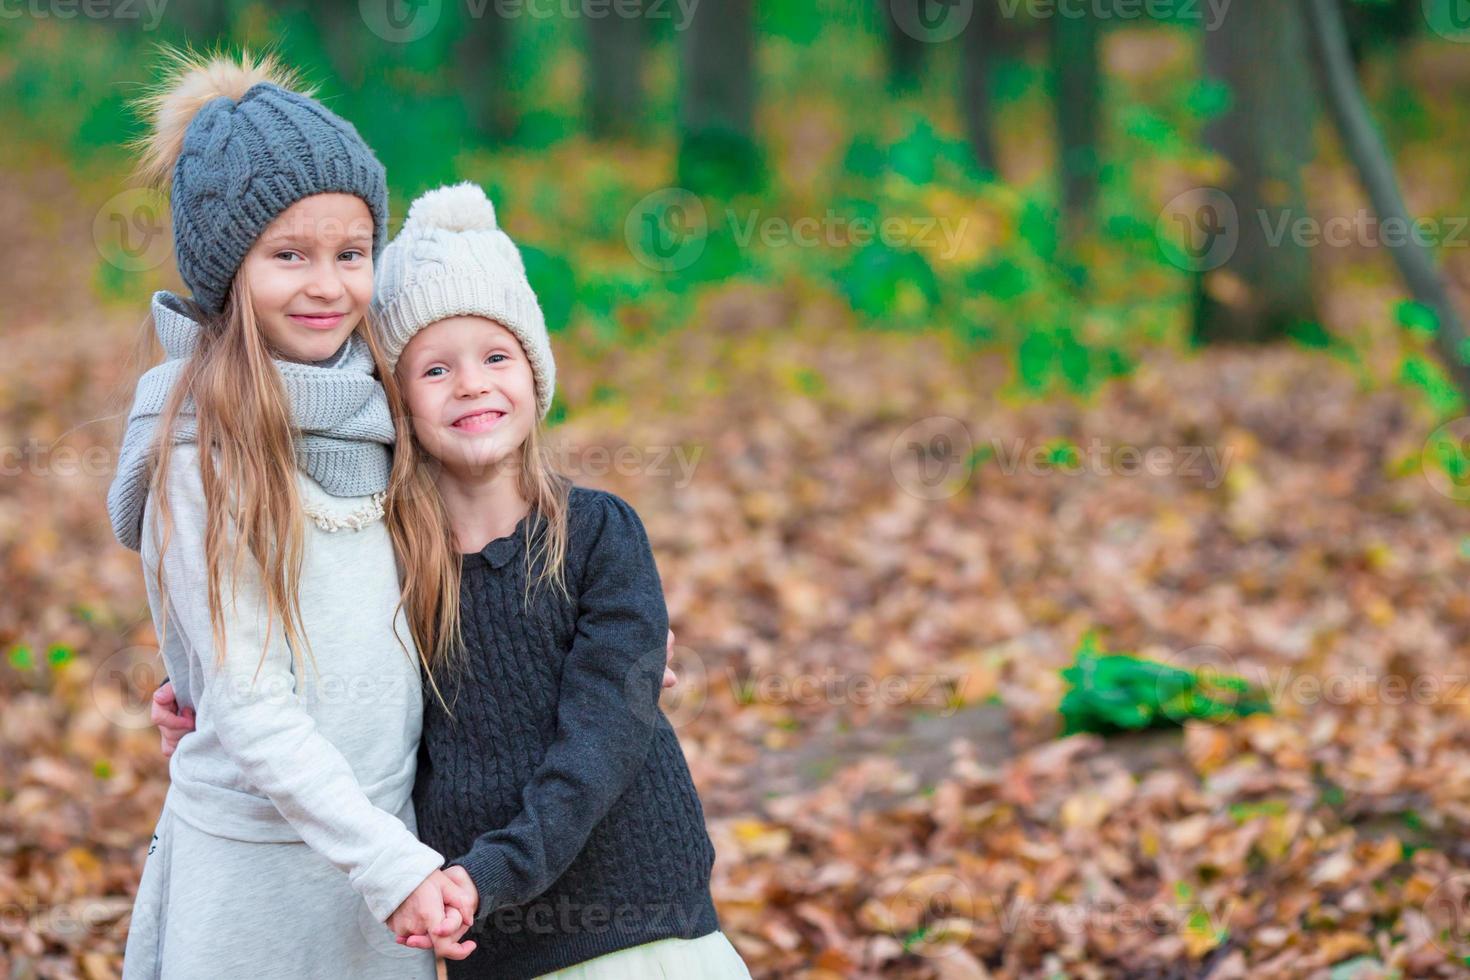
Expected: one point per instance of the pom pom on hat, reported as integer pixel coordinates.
(458, 207)
(236, 141)
(191, 81)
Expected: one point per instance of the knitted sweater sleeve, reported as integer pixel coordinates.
(606, 718)
(261, 724)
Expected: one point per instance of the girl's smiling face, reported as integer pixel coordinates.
(310, 275)
(470, 391)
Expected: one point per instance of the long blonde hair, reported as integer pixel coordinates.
(247, 456)
(548, 491)
(242, 415)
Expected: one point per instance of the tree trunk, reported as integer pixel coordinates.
(343, 36)
(1077, 100)
(717, 150)
(481, 66)
(1266, 136)
(905, 51)
(1375, 169)
(614, 94)
(202, 24)
(981, 47)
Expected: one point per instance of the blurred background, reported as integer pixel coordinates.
(1049, 417)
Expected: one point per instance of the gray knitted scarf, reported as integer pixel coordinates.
(340, 412)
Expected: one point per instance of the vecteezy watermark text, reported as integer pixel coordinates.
(89, 9)
(1105, 459)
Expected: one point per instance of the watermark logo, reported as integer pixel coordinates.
(1199, 229)
(1098, 458)
(932, 914)
(400, 21)
(685, 701)
(55, 460)
(940, 234)
(935, 692)
(1205, 685)
(932, 21)
(1450, 19)
(1445, 459)
(123, 686)
(1448, 910)
(123, 10)
(1209, 13)
(680, 11)
(932, 459)
(131, 230)
(667, 230)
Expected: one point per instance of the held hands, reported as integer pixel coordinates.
(173, 725)
(438, 914)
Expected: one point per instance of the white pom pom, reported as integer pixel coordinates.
(458, 207)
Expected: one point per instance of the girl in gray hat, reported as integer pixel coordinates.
(287, 838)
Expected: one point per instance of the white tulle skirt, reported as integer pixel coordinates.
(710, 957)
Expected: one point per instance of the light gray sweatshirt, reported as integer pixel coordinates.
(328, 758)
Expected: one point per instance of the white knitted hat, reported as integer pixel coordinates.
(452, 259)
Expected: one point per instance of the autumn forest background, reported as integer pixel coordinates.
(1049, 417)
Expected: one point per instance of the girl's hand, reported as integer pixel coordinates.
(467, 898)
(445, 940)
(459, 914)
(424, 913)
(669, 679)
(173, 725)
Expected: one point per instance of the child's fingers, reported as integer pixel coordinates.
(461, 901)
(669, 679)
(454, 951)
(163, 712)
(451, 922)
(418, 941)
(171, 717)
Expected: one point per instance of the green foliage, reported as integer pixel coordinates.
(554, 283)
(720, 163)
(892, 285)
(1423, 373)
(1417, 318)
(1445, 451)
(1115, 692)
(1068, 314)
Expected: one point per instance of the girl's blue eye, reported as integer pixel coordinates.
(281, 255)
(354, 253)
(432, 370)
(501, 356)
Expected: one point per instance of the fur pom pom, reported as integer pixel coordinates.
(458, 207)
(192, 80)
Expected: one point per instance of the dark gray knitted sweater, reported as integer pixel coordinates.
(560, 785)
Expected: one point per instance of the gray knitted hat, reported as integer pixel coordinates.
(452, 259)
(239, 148)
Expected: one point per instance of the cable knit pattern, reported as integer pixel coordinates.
(451, 258)
(560, 784)
(245, 162)
(338, 407)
